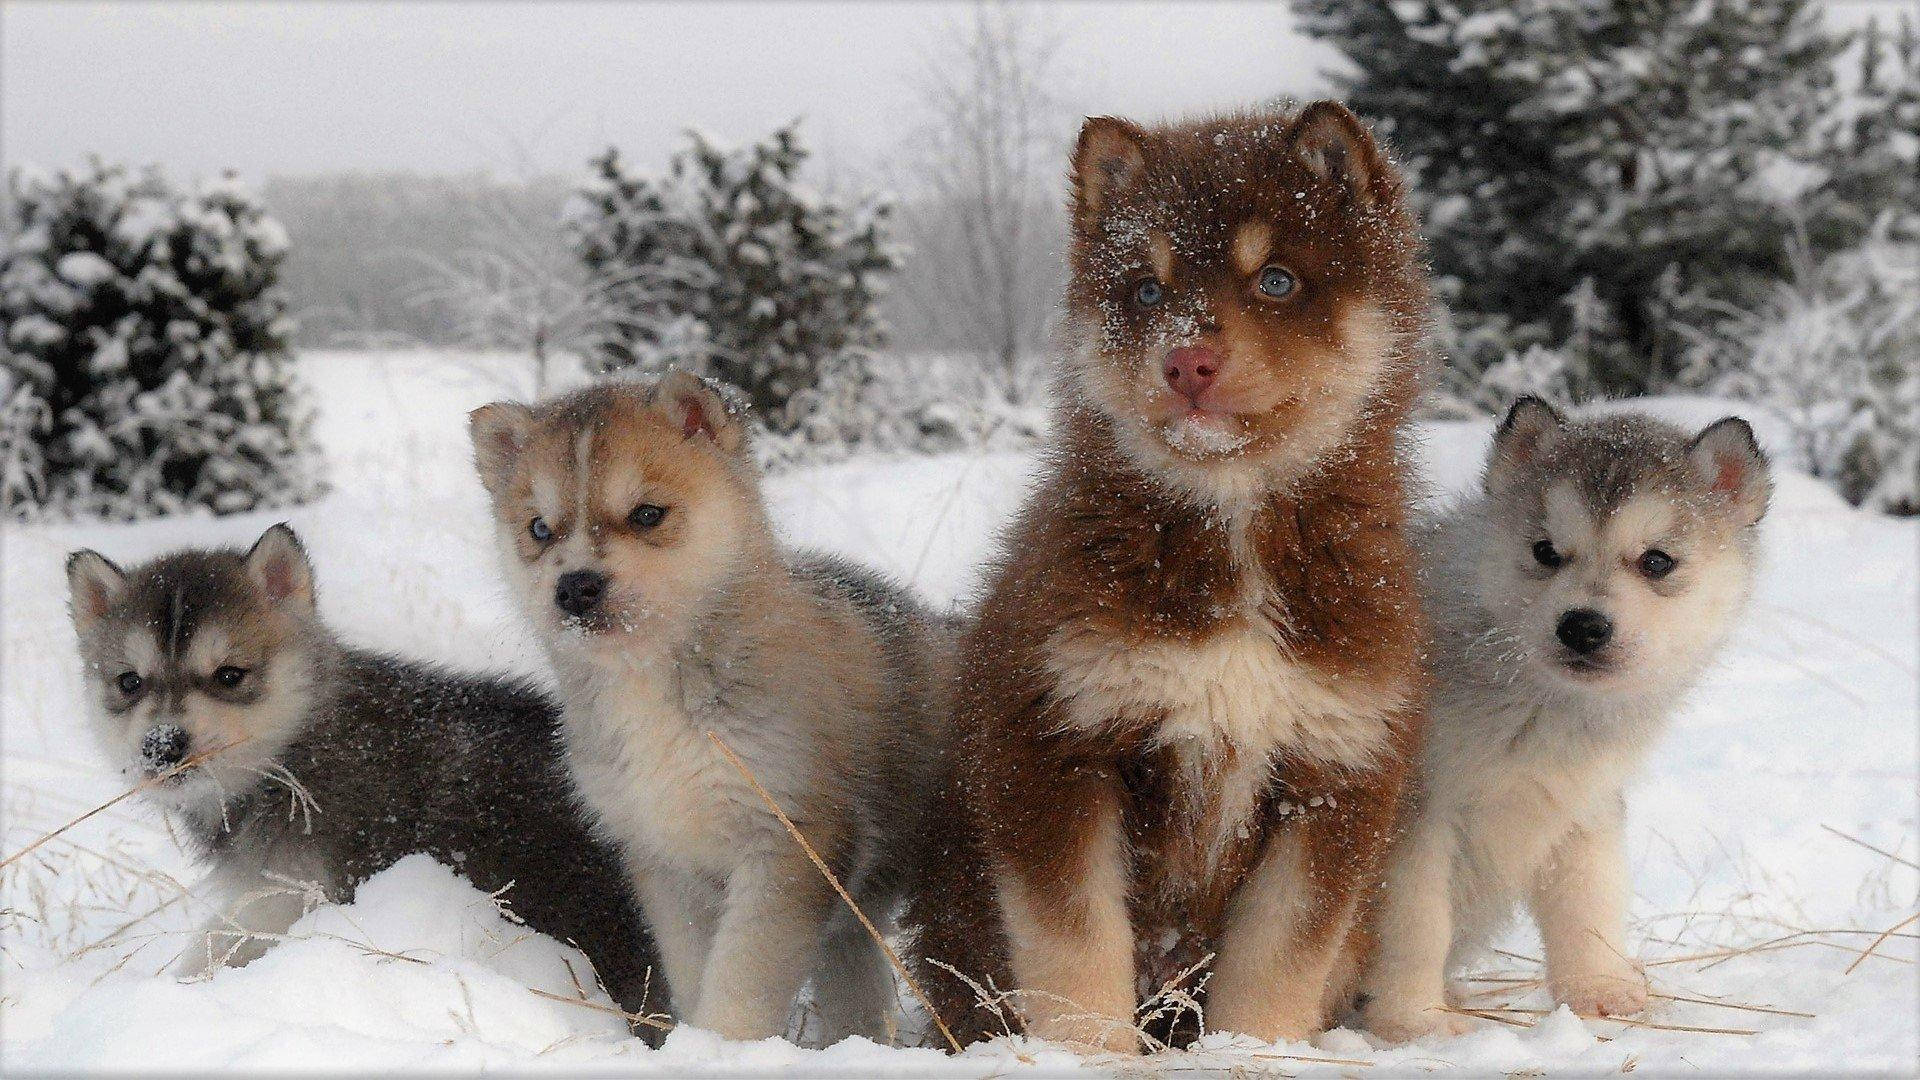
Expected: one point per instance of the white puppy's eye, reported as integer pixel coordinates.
(129, 683)
(1657, 564)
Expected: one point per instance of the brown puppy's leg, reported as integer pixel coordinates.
(1287, 922)
(1063, 897)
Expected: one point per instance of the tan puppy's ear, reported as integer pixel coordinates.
(278, 566)
(1530, 429)
(94, 583)
(701, 408)
(1107, 161)
(1335, 145)
(1729, 462)
(499, 432)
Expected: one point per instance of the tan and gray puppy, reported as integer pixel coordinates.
(636, 535)
(287, 758)
(1574, 601)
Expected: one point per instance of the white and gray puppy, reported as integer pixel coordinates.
(286, 757)
(636, 535)
(1574, 600)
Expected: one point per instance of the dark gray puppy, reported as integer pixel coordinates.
(287, 757)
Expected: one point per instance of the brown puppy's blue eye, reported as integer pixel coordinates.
(1545, 554)
(229, 676)
(646, 516)
(129, 683)
(1276, 282)
(1656, 563)
(1148, 293)
(538, 529)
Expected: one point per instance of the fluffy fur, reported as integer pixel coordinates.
(820, 675)
(338, 761)
(1192, 689)
(1531, 741)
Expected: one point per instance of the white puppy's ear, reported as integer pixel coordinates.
(499, 432)
(278, 565)
(1530, 430)
(1728, 460)
(702, 409)
(94, 583)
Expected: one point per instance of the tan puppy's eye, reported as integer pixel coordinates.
(1277, 283)
(646, 516)
(1148, 293)
(540, 530)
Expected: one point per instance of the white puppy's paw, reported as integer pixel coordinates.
(1612, 993)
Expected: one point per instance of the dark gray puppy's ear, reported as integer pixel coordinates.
(94, 583)
(278, 566)
(1530, 430)
(1728, 461)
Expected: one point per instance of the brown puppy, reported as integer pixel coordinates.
(1191, 694)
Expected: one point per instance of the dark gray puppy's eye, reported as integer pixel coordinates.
(129, 683)
(1148, 293)
(1546, 555)
(1276, 282)
(539, 530)
(1656, 563)
(646, 516)
(229, 676)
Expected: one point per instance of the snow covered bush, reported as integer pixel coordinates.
(144, 347)
(725, 265)
(1596, 176)
(1836, 350)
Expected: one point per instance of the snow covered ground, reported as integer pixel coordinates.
(1757, 889)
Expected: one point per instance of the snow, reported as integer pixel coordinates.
(1804, 733)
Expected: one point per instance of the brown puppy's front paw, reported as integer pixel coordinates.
(1618, 993)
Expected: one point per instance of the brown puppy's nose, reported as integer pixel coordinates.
(1191, 369)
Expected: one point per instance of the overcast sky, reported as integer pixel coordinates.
(304, 87)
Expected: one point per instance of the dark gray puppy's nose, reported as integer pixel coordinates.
(164, 747)
(1584, 630)
(579, 591)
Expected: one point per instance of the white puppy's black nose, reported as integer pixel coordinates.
(1584, 630)
(164, 747)
(579, 591)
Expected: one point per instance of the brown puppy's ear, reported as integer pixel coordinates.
(93, 584)
(701, 409)
(1335, 145)
(1729, 462)
(278, 566)
(1107, 161)
(1529, 430)
(499, 433)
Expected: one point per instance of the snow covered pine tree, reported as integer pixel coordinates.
(145, 354)
(1595, 176)
(727, 267)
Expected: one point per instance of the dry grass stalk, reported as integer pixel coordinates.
(834, 880)
(120, 798)
(631, 1018)
(1878, 941)
(1876, 850)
